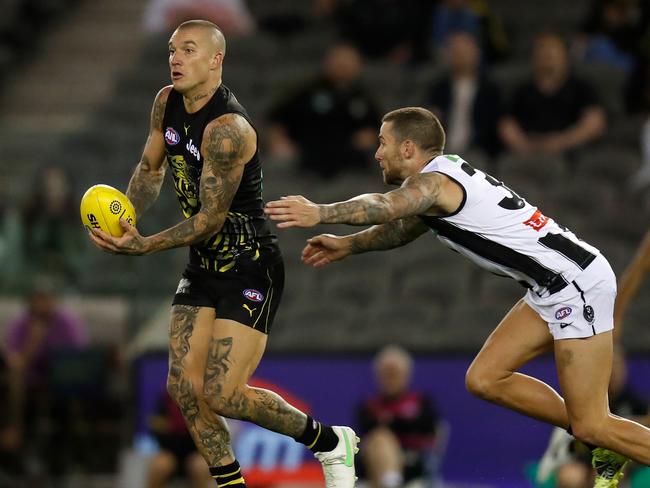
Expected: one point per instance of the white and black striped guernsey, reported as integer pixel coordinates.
(503, 233)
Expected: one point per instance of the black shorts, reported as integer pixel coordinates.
(248, 293)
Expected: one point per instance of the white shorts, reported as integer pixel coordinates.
(583, 308)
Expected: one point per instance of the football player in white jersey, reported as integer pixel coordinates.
(568, 305)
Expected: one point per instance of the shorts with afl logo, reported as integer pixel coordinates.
(583, 308)
(248, 293)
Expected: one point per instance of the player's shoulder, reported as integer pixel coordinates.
(163, 93)
(231, 122)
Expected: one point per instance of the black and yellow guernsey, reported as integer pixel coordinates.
(245, 233)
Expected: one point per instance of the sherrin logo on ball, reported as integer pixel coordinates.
(102, 207)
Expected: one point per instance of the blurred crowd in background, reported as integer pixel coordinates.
(552, 98)
(325, 124)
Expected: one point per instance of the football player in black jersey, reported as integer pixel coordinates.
(226, 300)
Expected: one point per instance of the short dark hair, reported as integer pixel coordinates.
(419, 125)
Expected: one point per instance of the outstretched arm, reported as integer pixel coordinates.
(229, 142)
(146, 181)
(418, 194)
(327, 248)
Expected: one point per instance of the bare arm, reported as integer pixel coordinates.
(387, 236)
(421, 193)
(228, 143)
(514, 136)
(327, 248)
(146, 181)
(416, 196)
(591, 124)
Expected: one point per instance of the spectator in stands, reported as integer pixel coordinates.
(52, 242)
(397, 425)
(472, 17)
(329, 123)
(232, 16)
(178, 454)
(32, 339)
(554, 112)
(465, 100)
(376, 27)
(612, 32)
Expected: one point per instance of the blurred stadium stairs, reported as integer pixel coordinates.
(72, 70)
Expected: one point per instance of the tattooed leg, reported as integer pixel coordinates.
(189, 336)
(234, 353)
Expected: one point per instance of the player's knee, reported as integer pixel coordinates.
(185, 393)
(218, 403)
(479, 383)
(229, 403)
(588, 431)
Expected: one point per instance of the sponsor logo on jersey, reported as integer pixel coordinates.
(171, 136)
(537, 221)
(564, 325)
(194, 151)
(563, 313)
(253, 295)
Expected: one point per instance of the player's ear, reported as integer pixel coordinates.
(408, 148)
(217, 60)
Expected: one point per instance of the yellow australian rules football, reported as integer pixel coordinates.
(102, 207)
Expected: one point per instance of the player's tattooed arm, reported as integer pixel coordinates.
(416, 196)
(228, 143)
(146, 181)
(387, 236)
(144, 186)
(324, 249)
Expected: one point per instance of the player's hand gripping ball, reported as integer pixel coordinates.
(103, 206)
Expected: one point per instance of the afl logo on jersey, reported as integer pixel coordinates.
(171, 136)
(253, 295)
(563, 313)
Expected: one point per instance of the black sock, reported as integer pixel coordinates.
(591, 447)
(318, 437)
(228, 475)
